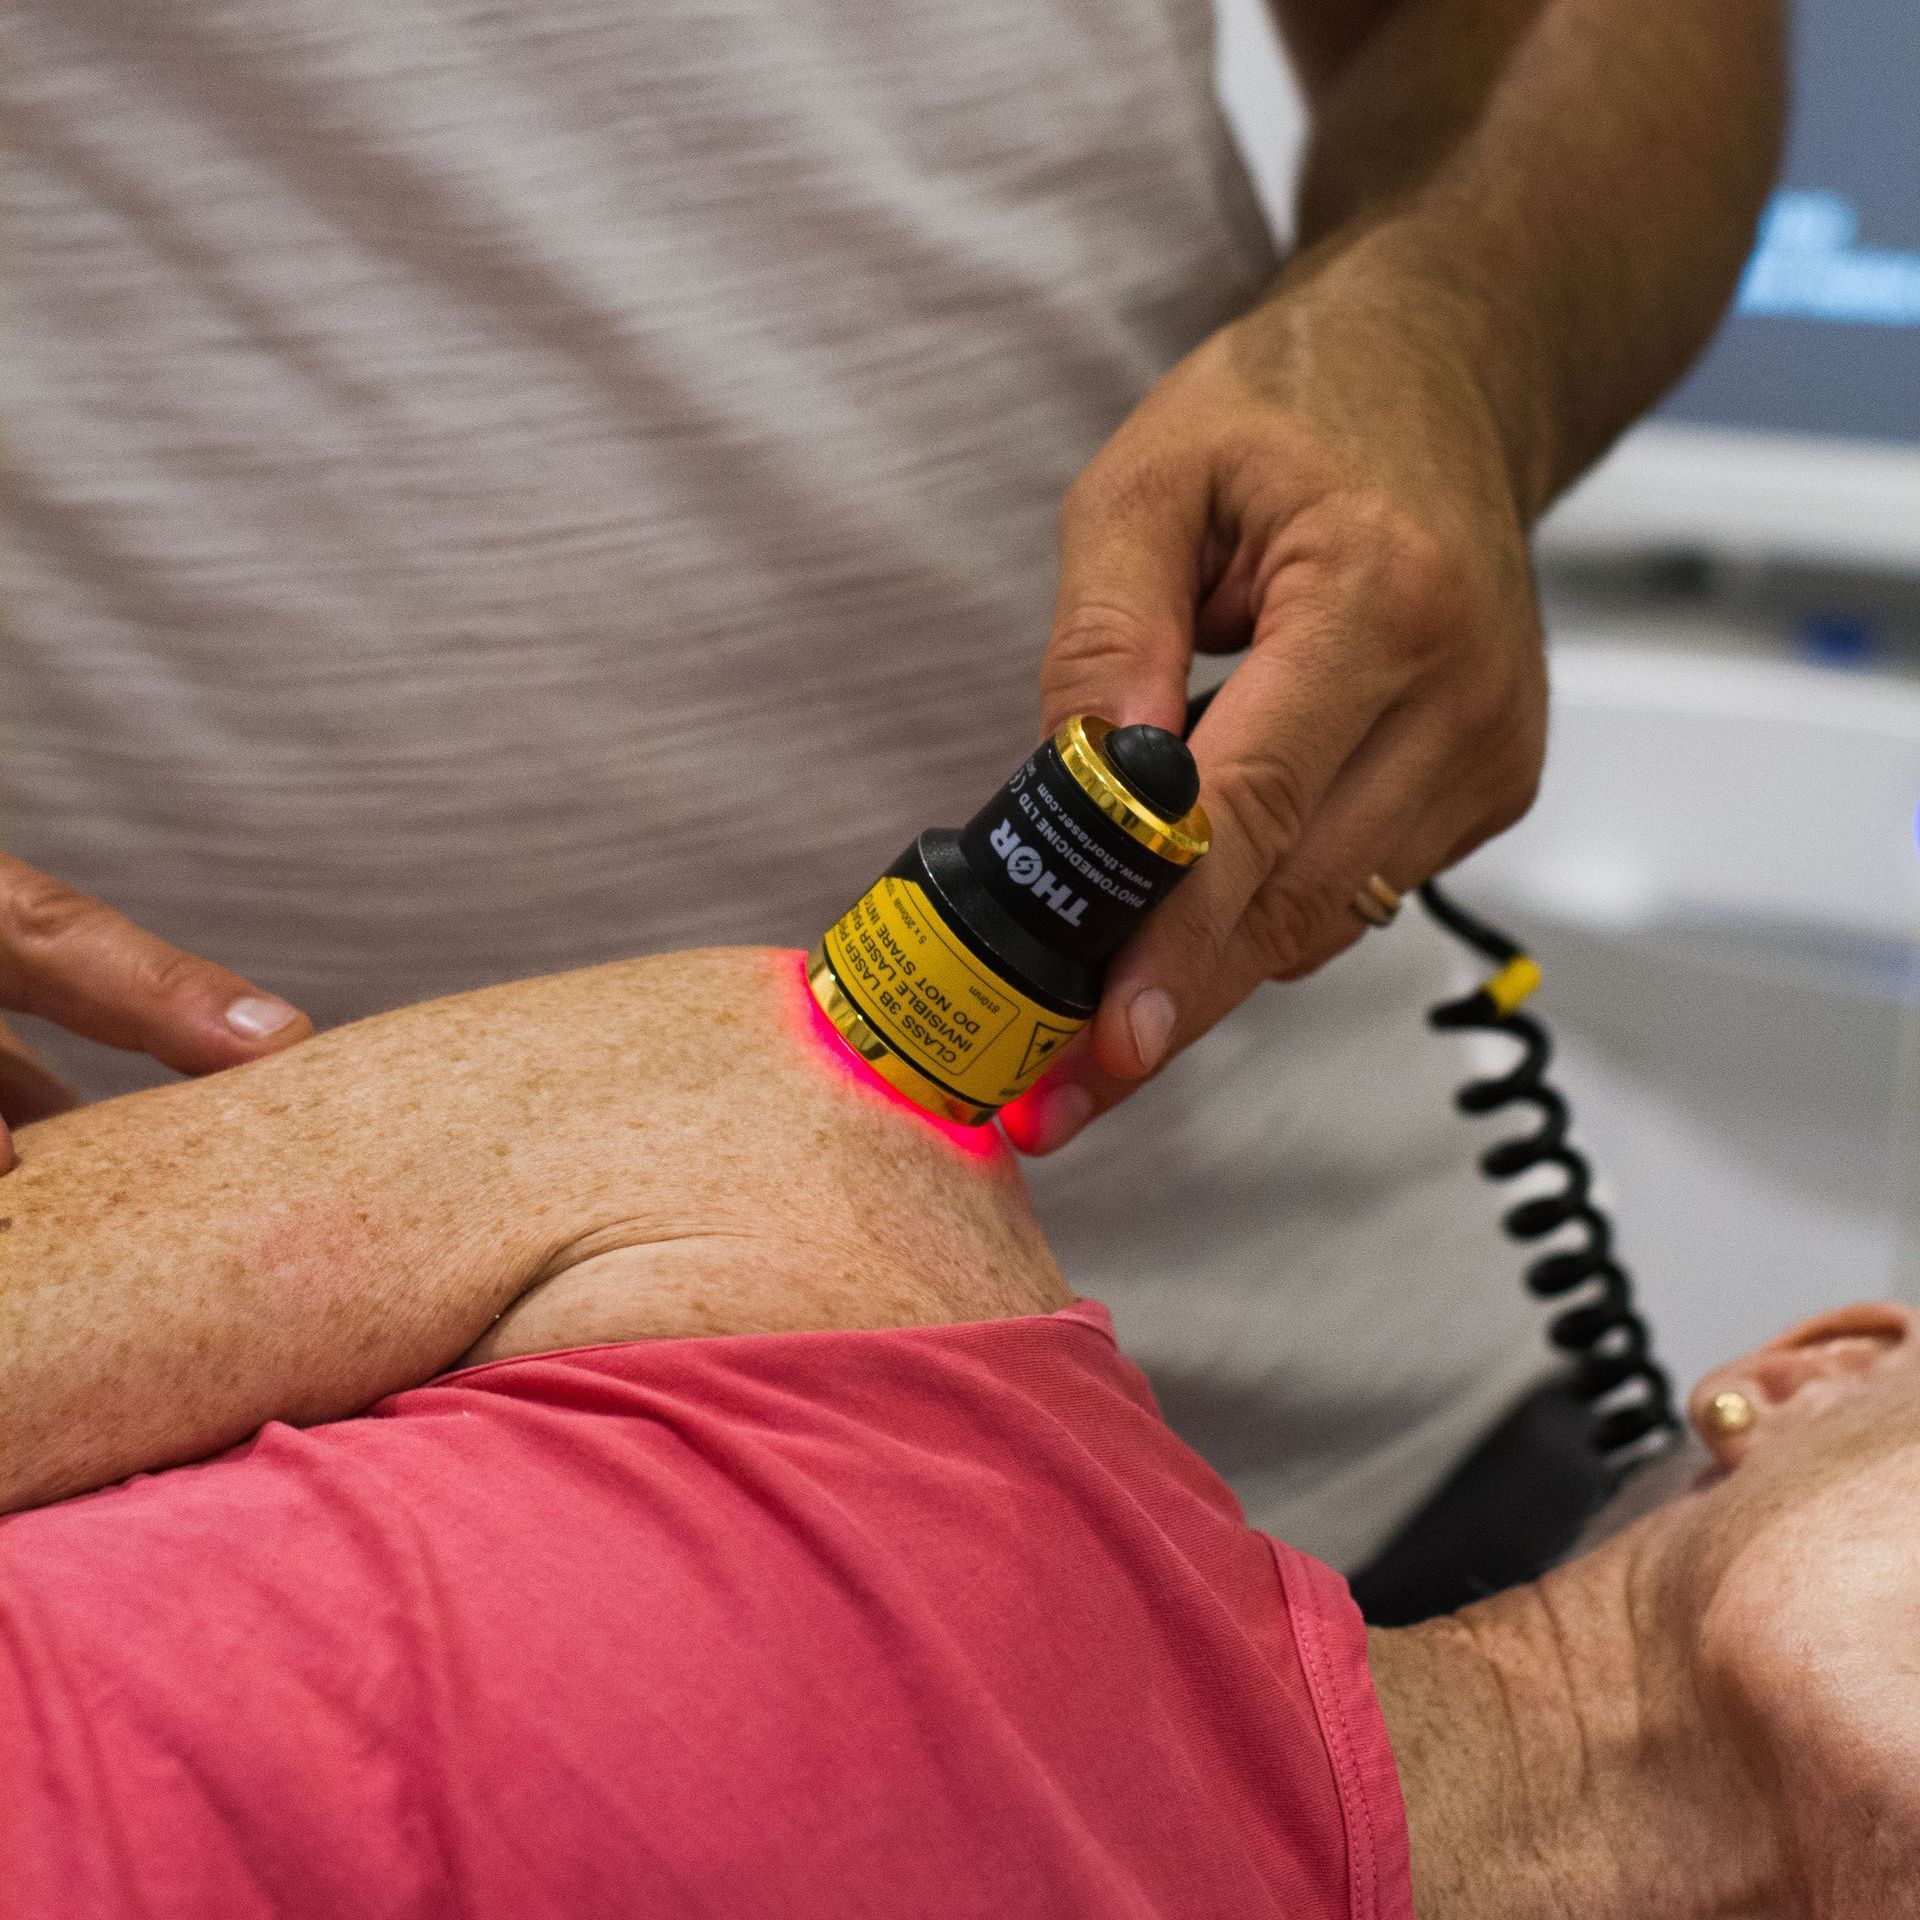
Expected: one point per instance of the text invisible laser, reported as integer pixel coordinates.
(980, 952)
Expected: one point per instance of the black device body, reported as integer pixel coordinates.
(983, 948)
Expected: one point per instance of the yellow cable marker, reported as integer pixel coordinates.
(1513, 983)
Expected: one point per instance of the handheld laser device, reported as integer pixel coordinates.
(980, 952)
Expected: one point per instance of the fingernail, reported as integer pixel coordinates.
(254, 1016)
(1063, 1112)
(1151, 1018)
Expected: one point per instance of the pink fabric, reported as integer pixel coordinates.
(922, 1623)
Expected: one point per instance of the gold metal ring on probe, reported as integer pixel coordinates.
(1180, 841)
(851, 1025)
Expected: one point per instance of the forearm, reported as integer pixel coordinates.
(1567, 188)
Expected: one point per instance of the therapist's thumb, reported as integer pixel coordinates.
(1132, 533)
(73, 960)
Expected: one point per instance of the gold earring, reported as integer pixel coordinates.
(1728, 1413)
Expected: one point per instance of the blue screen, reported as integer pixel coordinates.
(1824, 336)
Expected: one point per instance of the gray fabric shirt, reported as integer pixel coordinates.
(495, 488)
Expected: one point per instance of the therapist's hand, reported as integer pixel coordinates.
(76, 962)
(1325, 484)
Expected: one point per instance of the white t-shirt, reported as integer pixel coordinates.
(500, 487)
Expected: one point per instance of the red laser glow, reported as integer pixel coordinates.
(977, 1143)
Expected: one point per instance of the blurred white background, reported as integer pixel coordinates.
(1721, 876)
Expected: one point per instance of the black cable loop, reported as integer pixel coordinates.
(1603, 1335)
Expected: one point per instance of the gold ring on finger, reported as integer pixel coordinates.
(1376, 903)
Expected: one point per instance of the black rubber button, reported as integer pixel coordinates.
(1157, 767)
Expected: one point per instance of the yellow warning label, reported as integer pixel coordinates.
(927, 996)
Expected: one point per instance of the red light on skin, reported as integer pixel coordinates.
(977, 1143)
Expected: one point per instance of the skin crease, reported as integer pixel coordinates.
(1716, 1714)
(657, 1148)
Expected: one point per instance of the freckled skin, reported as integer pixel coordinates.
(649, 1150)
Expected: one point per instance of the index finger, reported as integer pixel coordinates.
(1269, 747)
(73, 960)
(1122, 634)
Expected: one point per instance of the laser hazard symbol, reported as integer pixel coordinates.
(1045, 1043)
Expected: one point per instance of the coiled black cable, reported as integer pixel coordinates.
(1603, 1334)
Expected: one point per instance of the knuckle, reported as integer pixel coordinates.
(1099, 492)
(1076, 505)
(1420, 581)
(1095, 632)
(1286, 920)
(1265, 800)
(1086, 496)
(1500, 699)
(1334, 939)
(1501, 799)
(1119, 484)
(1483, 705)
(162, 973)
(38, 912)
(1514, 799)
(1093, 649)
(1419, 560)
(1522, 758)
(51, 932)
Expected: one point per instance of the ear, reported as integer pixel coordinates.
(1801, 1371)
